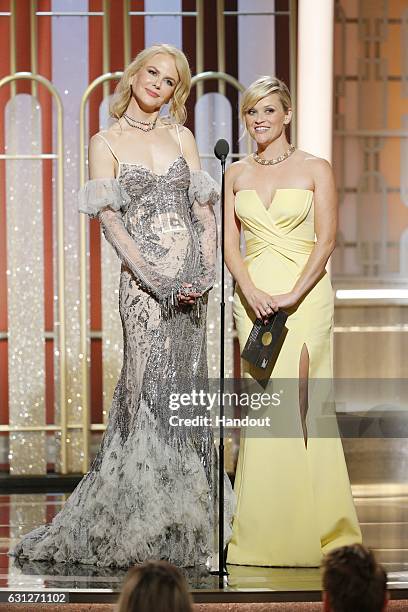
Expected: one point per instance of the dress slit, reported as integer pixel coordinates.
(304, 363)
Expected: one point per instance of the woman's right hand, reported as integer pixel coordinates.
(261, 303)
(190, 296)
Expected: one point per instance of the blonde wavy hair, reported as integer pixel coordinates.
(262, 87)
(123, 92)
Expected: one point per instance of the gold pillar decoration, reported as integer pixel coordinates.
(127, 35)
(200, 44)
(26, 415)
(25, 285)
(221, 43)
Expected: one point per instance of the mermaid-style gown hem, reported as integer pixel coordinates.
(151, 492)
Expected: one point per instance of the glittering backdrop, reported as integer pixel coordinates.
(213, 116)
(25, 284)
(213, 120)
(69, 73)
(71, 83)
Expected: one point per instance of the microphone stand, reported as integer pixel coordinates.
(221, 565)
(222, 571)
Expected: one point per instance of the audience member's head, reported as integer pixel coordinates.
(353, 580)
(155, 586)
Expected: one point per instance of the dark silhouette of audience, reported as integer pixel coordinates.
(155, 586)
(353, 581)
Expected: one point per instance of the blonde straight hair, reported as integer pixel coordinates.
(262, 87)
(123, 92)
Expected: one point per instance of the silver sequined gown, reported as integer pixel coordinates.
(151, 490)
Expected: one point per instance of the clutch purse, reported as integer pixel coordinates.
(263, 339)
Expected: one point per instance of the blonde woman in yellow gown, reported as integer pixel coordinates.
(294, 502)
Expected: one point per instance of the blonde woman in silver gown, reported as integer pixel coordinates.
(151, 490)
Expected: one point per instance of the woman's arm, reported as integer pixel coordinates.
(325, 214)
(100, 160)
(233, 257)
(190, 151)
(203, 194)
(256, 298)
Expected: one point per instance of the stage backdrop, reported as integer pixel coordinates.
(60, 334)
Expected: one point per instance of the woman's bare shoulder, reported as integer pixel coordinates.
(318, 169)
(239, 166)
(318, 162)
(182, 128)
(98, 141)
(177, 131)
(112, 134)
(173, 126)
(186, 134)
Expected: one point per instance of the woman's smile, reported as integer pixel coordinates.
(153, 94)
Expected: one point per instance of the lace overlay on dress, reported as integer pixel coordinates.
(151, 492)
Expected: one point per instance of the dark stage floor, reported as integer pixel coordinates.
(382, 510)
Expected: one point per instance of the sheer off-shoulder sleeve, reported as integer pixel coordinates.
(203, 193)
(203, 188)
(101, 193)
(108, 202)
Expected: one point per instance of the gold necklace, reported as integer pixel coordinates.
(275, 160)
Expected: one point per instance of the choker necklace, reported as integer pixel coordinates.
(275, 160)
(145, 126)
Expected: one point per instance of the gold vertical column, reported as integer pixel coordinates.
(106, 46)
(33, 45)
(83, 314)
(28, 414)
(200, 44)
(221, 44)
(293, 65)
(61, 288)
(127, 37)
(13, 46)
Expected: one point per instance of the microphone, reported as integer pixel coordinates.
(221, 149)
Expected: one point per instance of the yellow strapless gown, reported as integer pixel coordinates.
(294, 502)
